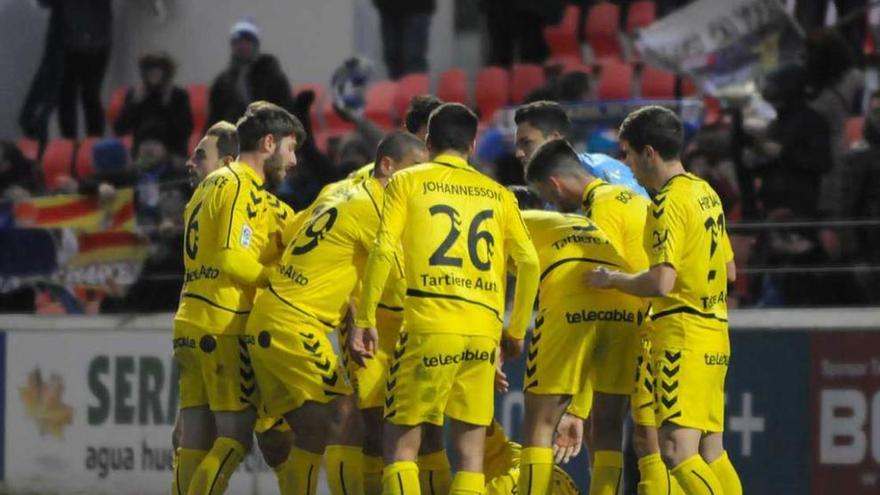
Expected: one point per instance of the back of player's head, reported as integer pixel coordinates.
(452, 126)
(554, 157)
(420, 108)
(227, 138)
(396, 146)
(527, 198)
(263, 118)
(546, 116)
(654, 126)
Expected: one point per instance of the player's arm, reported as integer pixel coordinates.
(528, 270)
(728, 257)
(234, 255)
(655, 282)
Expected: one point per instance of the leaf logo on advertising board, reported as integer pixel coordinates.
(43, 402)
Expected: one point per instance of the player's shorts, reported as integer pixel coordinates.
(642, 400)
(369, 381)
(266, 423)
(506, 484)
(215, 370)
(293, 365)
(689, 374)
(436, 374)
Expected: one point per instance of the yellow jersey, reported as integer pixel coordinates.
(227, 223)
(457, 229)
(686, 230)
(620, 213)
(323, 263)
(282, 227)
(362, 173)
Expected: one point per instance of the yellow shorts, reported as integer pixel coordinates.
(293, 365)
(266, 423)
(689, 373)
(642, 400)
(215, 370)
(369, 381)
(436, 374)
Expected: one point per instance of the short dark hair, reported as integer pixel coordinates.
(396, 145)
(420, 108)
(527, 198)
(263, 118)
(551, 157)
(452, 126)
(161, 60)
(546, 116)
(227, 138)
(654, 126)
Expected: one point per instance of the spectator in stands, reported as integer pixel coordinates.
(74, 62)
(405, 25)
(516, 29)
(156, 100)
(811, 15)
(574, 86)
(251, 76)
(19, 177)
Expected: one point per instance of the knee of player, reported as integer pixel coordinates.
(275, 446)
(644, 442)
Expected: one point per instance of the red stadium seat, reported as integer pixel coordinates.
(562, 39)
(332, 120)
(379, 106)
(453, 86)
(657, 84)
(82, 164)
(492, 91)
(688, 88)
(117, 100)
(29, 148)
(854, 130)
(640, 14)
(602, 28)
(57, 161)
(128, 142)
(409, 86)
(615, 81)
(198, 102)
(523, 79)
(320, 92)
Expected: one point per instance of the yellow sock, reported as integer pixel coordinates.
(401, 478)
(467, 483)
(212, 475)
(726, 474)
(345, 469)
(654, 476)
(304, 470)
(536, 470)
(185, 463)
(373, 475)
(696, 477)
(284, 473)
(435, 475)
(607, 468)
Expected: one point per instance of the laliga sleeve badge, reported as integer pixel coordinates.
(246, 235)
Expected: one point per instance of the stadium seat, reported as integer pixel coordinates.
(640, 14)
(57, 161)
(194, 139)
(688, 88)
(523, 79)
(854, 129)
(320, 92)
(615, 81)
(332, 120)
(711, 110)
(453, 86)
(491, 91)
(29, 148)
(82, 164)
(562, 39)
(128, 142)
(379, 107)
(657, 84)
(117, 100)
(408, 86)
(198, 102)
(602, 28)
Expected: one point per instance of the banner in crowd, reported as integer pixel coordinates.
(721, 43)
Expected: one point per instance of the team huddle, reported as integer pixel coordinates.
(412, 259)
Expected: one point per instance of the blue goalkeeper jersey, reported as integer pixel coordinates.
(611, 170)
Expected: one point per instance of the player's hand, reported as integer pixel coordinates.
(511, 348)
(362, 344)
(502, 385)
(599, 278)
(569, 438)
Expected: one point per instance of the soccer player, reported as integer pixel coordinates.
(458, 230)
(227, 225)
(541, 121)
(691, 263)
(296, 368)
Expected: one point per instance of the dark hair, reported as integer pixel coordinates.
(396, 145)
(573, 85)
(263, 118)
(828, 57)
(420, 108)
(654, 126)
(551, 157)
(874, 94)
(452, 126)
(161, 60)
(527, 198)
(227, 138)
(546, 116)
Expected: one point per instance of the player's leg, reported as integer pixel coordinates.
(468, 440)
(712, 451)
(679, 447)
(435, 474)
(310, 422)
(275, 439)
(542, 413)
(373, 463)
(609, 411)
(401, 450)
(196, 435)
(344, 456)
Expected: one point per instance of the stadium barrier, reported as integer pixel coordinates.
(89, 403)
